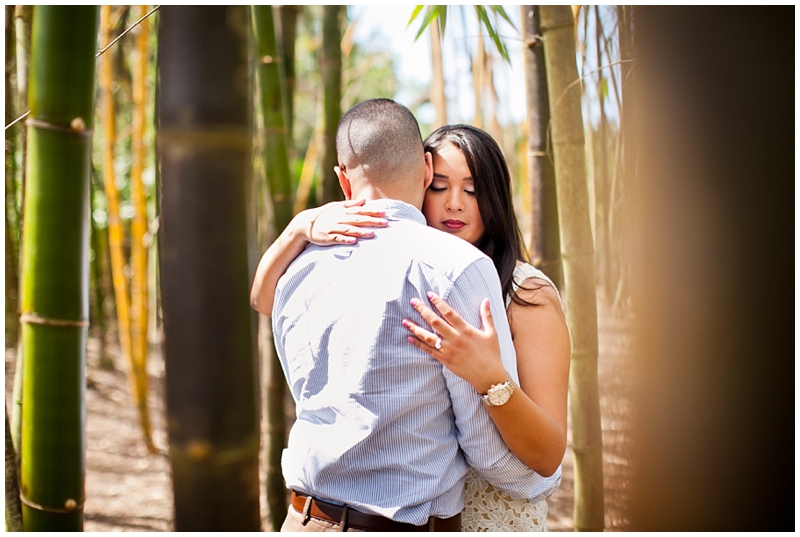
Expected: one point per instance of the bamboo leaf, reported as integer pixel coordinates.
(501, 47)
(502, 12)
(429, 16)
(414, 14)
(441, 13)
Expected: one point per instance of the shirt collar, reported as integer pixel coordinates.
(397, 210)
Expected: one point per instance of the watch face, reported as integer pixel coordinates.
(499, 396)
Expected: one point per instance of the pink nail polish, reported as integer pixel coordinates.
(405, 323)
(414, 302)
(430, 295)
(410, 339)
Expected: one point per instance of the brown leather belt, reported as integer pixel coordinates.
(350, 518)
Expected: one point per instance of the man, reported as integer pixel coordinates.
(384, 434)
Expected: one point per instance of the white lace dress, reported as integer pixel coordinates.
(487, 508)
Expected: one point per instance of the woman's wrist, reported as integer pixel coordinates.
(301, 225)
(492, 378)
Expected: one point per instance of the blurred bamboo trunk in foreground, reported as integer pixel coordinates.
(577, 258)
(715, 277)
(205, 140)
(55, 267)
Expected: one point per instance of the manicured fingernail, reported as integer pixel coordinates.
(384, 222)
(414, 302)
(430, 295)
(410, 339)
(371, 233)
(405, 323)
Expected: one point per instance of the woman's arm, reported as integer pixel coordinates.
(533, 422)
(338, 222)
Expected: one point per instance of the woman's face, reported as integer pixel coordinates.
(450, 204)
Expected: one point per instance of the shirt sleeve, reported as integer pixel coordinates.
(483, 447)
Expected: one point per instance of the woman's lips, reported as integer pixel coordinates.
(453, 224)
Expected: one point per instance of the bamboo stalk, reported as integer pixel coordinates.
(438, 97)
(331, 99)
(478, 66)
(115, 231)
(545, 239)
(139, 302)
(577, 254)
(307, 173)
(205, 157)
(55, 265)
(278, 178)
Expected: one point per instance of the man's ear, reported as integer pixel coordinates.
(344, 182)
(428, 170)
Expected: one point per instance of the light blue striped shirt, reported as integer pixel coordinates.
(381, 426)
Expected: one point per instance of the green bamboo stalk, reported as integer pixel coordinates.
(55, 265)
(205, 145)
(23, 16)
(577, 257)
(286, 36)
(331, 67)
(545, 239)
(98, 277)
(276, 159)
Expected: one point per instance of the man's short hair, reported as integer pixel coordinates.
(382, 138)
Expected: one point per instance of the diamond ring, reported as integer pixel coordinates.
(438, 345)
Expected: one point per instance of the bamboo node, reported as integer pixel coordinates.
(69, 506)
(198, 450)
(32, 318)
(76, 126)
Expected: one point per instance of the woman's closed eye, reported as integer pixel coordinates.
(435, 188)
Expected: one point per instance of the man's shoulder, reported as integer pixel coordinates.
(445, 251)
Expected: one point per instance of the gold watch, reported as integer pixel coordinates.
(499, 394)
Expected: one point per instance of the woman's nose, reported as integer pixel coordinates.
(454, 203)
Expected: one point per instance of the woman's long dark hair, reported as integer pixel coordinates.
(502, 241)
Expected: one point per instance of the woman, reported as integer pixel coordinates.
(470, 197)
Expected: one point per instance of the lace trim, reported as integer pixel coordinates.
(487, 508)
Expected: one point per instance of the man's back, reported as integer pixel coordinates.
(376, 427)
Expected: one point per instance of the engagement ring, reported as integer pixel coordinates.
(438, 345)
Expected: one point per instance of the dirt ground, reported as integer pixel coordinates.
(128, 489)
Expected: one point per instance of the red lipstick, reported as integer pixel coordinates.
(453, 224)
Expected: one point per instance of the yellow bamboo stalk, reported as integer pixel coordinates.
(309, 164)
(438, 97)
(478, 63)
(138, 230)
(115, 231)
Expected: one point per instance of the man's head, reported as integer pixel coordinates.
(379, 148)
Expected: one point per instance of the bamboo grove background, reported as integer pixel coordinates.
(163, 237)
